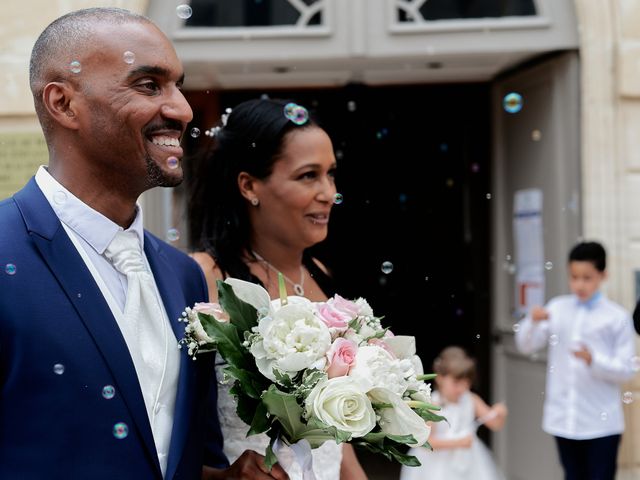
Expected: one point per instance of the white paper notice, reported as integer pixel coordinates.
(529, 249)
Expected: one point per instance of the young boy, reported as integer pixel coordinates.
(591, 352)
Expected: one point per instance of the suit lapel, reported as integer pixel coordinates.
(173, 298)
(67, 266)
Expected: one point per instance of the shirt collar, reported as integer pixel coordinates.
(96, 229)
(591, 302)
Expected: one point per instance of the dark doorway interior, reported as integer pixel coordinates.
(414, 170)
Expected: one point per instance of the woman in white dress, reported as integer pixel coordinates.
(263, 197)
(458, 453)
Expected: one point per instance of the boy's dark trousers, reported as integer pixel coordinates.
(593, 459)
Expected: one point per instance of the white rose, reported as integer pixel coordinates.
(339, 403)
(399, 418)
(375, 367)
(290, 339)
(364, 308)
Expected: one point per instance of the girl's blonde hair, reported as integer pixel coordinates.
(455, 362)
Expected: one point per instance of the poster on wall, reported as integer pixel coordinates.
(529, 249)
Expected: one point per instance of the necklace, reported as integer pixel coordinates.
(298, 288)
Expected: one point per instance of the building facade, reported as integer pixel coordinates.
(569, 134)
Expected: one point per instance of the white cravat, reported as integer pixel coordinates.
(146, 326)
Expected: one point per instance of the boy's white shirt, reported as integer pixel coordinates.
(582, 401)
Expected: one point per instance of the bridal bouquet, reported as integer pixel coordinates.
(307, 372)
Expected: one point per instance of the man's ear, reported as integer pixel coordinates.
(57, 98)
(247, 187)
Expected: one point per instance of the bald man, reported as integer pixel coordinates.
(78, 397)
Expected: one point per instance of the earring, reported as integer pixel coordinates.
(255, 202)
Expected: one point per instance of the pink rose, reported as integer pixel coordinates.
(345, 306)
(332, 317)
(341, 357)
(212, 309)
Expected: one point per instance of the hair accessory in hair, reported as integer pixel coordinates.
(296, 113)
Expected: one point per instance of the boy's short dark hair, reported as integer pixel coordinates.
(589, 252)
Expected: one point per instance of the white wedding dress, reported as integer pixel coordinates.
(326, 459)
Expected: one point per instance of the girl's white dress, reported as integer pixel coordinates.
(474, 463)
(326, 459)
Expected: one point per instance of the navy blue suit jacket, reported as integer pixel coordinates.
(52, 313)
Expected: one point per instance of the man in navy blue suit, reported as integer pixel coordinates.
(74, 402)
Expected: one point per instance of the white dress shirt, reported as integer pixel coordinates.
(583, 401)
(91, 233)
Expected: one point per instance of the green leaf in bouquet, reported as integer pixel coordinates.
(426, 377)
(403, 458)
(241, 314)
(371, 447)
(261, 421)
(387, 445)
(247, 406)
(354, 324)
(379, 334)
(380, 437)
(225, 336)
(270, 458)
(252, 383)
(429, 415)
(375, 437)
(286, 409)
(310, 379)
(319, 432)
(403, 439)
(283, 379)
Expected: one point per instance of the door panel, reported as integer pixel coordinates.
(536, 147)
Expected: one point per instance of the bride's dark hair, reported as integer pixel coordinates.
(251, 141)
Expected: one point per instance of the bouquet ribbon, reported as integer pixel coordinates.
(301, 455)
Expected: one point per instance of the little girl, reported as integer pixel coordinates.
(458, 453)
